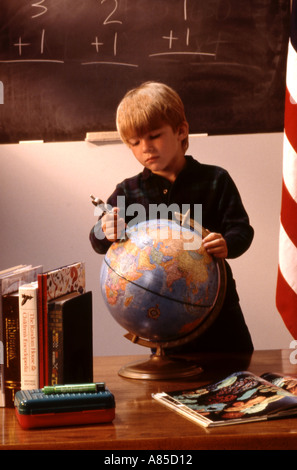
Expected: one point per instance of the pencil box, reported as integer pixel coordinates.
(34, 409)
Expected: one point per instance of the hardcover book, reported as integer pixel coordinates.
(28, 317)
(51, 285)
(10, 281)
(11, 340)
(239, 398)
(70, 333)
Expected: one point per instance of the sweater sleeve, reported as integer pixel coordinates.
(234, 220)
(98, 240)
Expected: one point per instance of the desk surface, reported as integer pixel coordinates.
(142, 423)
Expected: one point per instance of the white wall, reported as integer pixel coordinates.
(46, 215)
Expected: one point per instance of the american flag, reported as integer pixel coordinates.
(286, 289)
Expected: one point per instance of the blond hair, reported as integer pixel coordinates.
(147, 108)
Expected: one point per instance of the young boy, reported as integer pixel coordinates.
(151, 121)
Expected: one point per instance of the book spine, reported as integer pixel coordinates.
(28, 301)
(45, 329)
(55, 344)
(40, 331)
(12, 363)
(2, 394)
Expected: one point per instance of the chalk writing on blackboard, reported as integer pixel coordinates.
(110, 19)
(42, 7)
(65, 65)
(171, 38)
(20, 44)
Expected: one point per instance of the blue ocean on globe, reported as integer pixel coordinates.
(157, 287)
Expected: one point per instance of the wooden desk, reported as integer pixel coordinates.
(142, 423)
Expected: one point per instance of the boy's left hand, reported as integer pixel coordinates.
(215, 244)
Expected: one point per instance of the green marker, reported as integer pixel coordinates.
(74, 388)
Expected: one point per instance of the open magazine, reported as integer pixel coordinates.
(239, 398)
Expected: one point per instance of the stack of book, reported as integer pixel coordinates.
(45, 328)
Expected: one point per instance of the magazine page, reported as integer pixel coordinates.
(240, 397)
(284, 381)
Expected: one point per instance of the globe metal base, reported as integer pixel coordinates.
(159, 367)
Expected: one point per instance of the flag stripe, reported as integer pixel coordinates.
(286, 300)
(286, 290)
(290, 168)
(292, 71)
(289, 215)
(291, 119)
(286, 255)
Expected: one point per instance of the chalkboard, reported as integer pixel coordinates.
(65, 64)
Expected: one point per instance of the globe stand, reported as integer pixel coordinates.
(159, 366)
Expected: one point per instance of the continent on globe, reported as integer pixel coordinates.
(154, 286)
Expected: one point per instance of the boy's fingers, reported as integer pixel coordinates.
(112, 224)
(215, 244)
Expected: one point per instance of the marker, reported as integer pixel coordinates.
(74, 388)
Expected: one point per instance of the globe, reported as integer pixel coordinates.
(160, 284)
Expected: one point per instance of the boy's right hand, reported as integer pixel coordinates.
(112, 225)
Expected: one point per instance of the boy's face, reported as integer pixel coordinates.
(161, 150)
